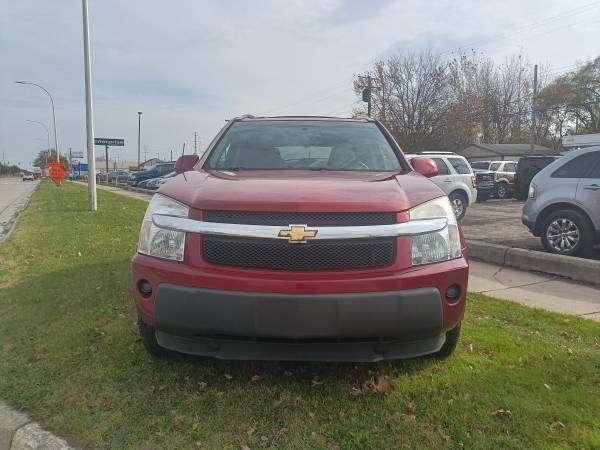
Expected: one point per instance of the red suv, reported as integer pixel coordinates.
(301, 238)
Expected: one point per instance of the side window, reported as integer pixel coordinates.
(578, 167)
(441, 165)
(595, 173)
(460, 165)
(494, 166)
(510, 167)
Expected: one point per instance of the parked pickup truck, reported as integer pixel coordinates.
(301, 238)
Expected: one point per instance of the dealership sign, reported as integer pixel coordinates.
(109, 141)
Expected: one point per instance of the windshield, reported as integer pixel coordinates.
(304, 145)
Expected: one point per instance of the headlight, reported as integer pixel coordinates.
(531, 193)
(440, 245)
(159, 242)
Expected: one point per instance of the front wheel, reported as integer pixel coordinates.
(567, 232)
(459, 204)
(502, 190)
(450, 344)
(148, 335)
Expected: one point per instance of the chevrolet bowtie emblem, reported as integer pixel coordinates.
(297, 234)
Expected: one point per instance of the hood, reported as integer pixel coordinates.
(271, 190)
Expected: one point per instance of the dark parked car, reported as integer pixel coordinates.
(527, 168)
(157, 171)
(485, 182)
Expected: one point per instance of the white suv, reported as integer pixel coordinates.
(455, 177)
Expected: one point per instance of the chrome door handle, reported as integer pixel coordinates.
(592, 187)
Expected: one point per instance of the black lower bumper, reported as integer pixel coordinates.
(300, 351)
(351, 327)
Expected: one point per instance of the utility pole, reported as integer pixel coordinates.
(183, 150)
(533, 108)
(106, 156)
(139, 136)
(195, 144)
(89, 117)
(171, 160)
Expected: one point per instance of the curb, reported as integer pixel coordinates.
(579, 269)
(7, 226)
(18, 432)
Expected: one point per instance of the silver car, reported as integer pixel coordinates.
(563, 205)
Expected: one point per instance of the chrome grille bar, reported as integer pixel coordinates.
(410, 228)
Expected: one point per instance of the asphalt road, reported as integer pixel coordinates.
(13, 196)
(499, 222)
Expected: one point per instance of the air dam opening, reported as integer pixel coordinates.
(144, 288)
(453, 293)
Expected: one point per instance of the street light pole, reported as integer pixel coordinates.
(139, 134)
(89, 116)
(45, 128)
(53, 114)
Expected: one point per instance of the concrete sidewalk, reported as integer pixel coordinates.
(535, 290)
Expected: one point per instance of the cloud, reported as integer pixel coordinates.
(191, 64)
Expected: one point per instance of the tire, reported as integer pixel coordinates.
(502, 190)
(459, 204)
(148, 335)
(567, 232)
(449, 346)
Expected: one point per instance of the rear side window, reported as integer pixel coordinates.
(482, 165)
(595, 173)
(578, 167)
(494, 166)
(441, 165)
(510, 167)
(460, 165)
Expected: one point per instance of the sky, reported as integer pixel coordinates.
(189, 65)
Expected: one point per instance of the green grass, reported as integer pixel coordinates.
(71, 357)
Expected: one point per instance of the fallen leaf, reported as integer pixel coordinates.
(227, 376)
(280, 433)
(546, 386)
(251, 431)
(202, 385)
(471, 348)
(316, 381)
(409, 408)
(256, 378)
(500, 412)
(318, 438)
(355, 391)
(383, 385)
(555, 425)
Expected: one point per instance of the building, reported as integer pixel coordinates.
(501, 152)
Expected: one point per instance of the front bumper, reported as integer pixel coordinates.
(248, 325)
(350, 315)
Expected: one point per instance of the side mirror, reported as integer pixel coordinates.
(186, 163)
(425, 166)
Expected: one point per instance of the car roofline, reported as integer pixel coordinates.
(250, 118)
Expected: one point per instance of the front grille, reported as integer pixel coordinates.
(314, 255)
(484, 179)
(314, 219)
